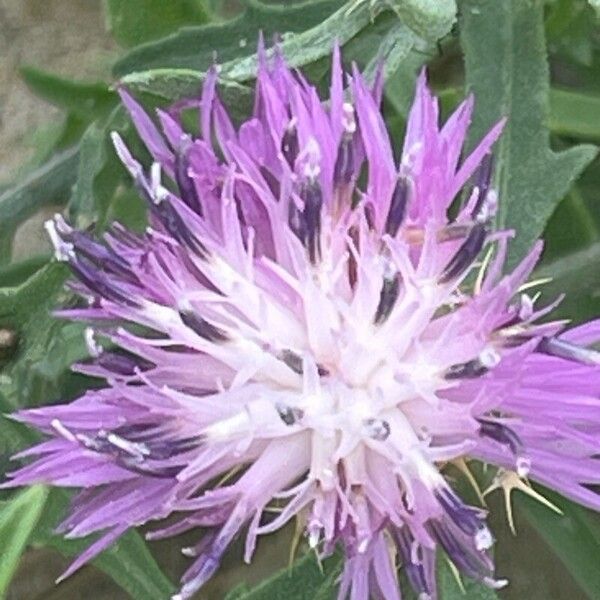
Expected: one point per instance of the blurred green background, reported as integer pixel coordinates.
(58, 57)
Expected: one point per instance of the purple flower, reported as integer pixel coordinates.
(304, 324)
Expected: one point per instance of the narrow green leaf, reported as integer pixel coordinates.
(575, 113)
(304, 580)
(50, 184)
(135, 21)
(574, 536)
(506, 68)
(18, 518)
(195, 47)
(87, 100)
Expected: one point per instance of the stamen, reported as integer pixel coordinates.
(483, 178)
(344, 162)
(469, 370)
(200, 326)
(562, 349)
(390, 290)
(377, 429)
(187, 189)
(94, 349)
(398, 205)
(313, 202)
(289, 143)
(63, 251)
(506, 436)
(295, 362)
(465, 255)
(289, 415)
(122, 364)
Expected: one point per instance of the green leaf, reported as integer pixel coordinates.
(48, 185)
(99, 173)
(595, 4)
(18, 518)
(128, 561)
(304, 580)
(300, 49)
(574, 536)
(506, 68)
(16, 273)
(575, 113)
(430, 19)
(449, 588)
(87, 100)
(574, 274)
(195, 47)
(174, 84)
(39, 371)
(38, 374)
(135, 21)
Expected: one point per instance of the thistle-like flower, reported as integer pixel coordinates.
(303, 323)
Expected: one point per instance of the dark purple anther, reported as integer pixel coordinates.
(123, 364)
(562, 349)
(272, 181)
(398, 205)
(387, 298)
(294, 362)
(344, 163)
(289, 144)
(313, 203)
(502, 434)
(202, 327)
(290, 415)
(187, 189)
(414, 561)
(377, 429)
(175, 225)
(96, 282)
(468, 370)
(465, 255)
(483, 179)
(469, 519)
(468, 558)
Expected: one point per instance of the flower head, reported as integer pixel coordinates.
(304, 324)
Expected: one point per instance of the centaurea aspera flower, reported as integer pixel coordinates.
(332, 343)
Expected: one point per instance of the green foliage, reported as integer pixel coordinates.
(506, 68)
(430, 19)
(87, 100)
(452, 588)
(575, 114)
(306, 579)
(50, 184)
(574, 536)
(18, 518)
(128, 561)
(135, 21)
(574, 274)
(195, 48)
